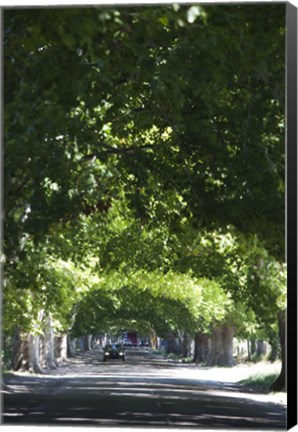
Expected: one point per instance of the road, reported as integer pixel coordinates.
(146, 390)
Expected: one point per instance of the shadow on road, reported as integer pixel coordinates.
(144, 391)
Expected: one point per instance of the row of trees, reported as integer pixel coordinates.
(144, 175)
(209, 286)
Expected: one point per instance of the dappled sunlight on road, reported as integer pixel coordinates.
(143, 391)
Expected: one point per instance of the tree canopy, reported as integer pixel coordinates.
(144, 165)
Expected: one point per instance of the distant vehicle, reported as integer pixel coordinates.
(127, 343)
(114, 351)
(132, 336)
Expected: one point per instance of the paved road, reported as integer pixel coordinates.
(143, 391)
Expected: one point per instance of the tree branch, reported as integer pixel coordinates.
(112, 150)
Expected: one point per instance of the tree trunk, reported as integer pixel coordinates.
(33, 354)
(222, 347)
(201, 348)
(179, 339)
(274, 351)
(217, 351)
(275, 346)
(228, 334)
(50, 361)
(34, 347)
(172, 344)
(18, 350)
(26, 352)
(248, 350)
(87, 342)
(60, 348)
(42, 351)
(71, 346)
(252, 346)
(280, 383)
(261, 348)
(186, 344)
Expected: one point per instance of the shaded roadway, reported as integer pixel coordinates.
(145, 390)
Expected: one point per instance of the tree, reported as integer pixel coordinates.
(266, 283)
(106, 147)
(114, 97)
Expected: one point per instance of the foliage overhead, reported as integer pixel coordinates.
(144, 161)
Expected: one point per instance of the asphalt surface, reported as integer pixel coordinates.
(143, 391)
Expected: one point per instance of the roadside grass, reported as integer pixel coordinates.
(253, 376)
(260, 381)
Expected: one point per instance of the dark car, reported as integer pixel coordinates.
(114, 351)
